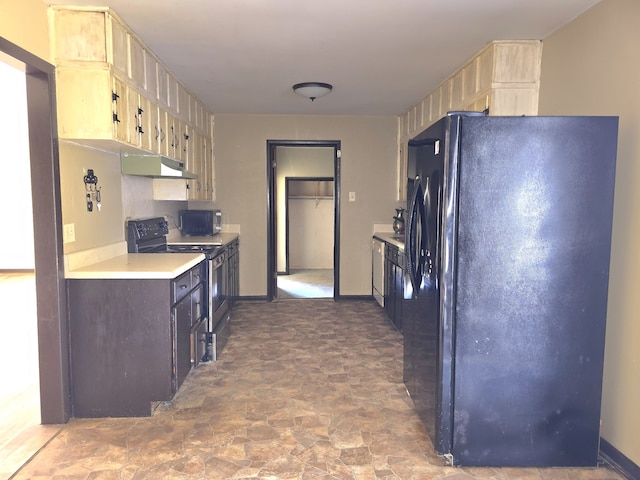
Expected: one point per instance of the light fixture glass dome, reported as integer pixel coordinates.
(312, 90)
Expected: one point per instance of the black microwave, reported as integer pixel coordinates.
(200, 222)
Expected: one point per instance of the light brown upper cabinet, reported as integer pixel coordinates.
(504, 77)
(112, 91)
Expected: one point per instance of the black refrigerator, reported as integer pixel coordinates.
(508, 244)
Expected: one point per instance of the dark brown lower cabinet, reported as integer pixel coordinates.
(394, 284)
(233, 272)
(131, 341)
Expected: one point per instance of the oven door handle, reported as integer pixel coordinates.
(218, 261)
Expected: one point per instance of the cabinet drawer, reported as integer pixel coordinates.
(391, 253)
(187, 282)
(181, 286)
(232, 248)
(402, 261)
(198, 274)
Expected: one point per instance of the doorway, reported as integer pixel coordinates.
(20, 390)
(52, 336)
(308, 239)
(296, 172)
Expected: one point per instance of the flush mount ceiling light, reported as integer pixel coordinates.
(312, 90)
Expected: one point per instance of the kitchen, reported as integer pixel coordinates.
(232, 132)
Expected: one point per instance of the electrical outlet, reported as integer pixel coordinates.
(352, 196)
(69, 233)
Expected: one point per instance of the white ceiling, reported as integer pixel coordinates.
(381, 56)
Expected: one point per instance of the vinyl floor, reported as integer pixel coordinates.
(305, 389)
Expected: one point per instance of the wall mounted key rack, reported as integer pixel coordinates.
(93, 191)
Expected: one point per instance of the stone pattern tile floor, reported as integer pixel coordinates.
(306, 389)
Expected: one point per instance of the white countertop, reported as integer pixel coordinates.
(392, 238)
(219, 239)
(138, 266)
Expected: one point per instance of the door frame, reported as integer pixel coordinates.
(272, 271)
(53, 335)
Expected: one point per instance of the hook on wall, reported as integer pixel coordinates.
(93, 192)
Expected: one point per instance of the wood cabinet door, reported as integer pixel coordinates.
(165, 132)
(151, 76)
(156, 133)
(119, 54)
(176, 137)
(121, 119)
(184, 134)
(182, 103)
(163, 85)
(137, 63)
(207, 168)
(182, 339)
(194, 165)
(134, 110)
(79, 36)
(147, 123)
(85, 106)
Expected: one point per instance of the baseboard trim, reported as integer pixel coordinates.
(252, 298)
(340, 298)
(619, 461)
(355, 297)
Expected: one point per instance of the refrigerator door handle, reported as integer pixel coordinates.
(416, 251)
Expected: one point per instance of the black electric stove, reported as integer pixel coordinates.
(149, 235)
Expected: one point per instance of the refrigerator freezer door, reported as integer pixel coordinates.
(429, 387)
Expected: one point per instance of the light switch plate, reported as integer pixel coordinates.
(352, 196)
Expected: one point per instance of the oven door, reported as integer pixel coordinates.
(217, 289)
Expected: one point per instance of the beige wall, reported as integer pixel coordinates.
(368, 168)
(101, 226)
(590, 67)
(24, 22)
(123, 197)
(301, 162)
(311, 233)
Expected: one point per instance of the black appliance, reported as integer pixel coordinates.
(200, 222)
(508, 244)
(150, 236)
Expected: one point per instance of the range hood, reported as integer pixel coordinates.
(155, 166)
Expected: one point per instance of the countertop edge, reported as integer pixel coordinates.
(391, 238)
(125, 267)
